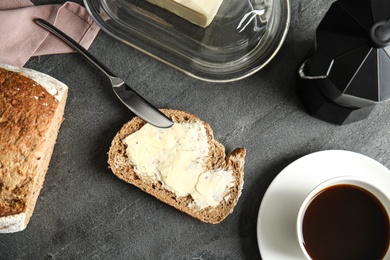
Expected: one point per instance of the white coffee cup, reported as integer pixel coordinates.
(352, 182)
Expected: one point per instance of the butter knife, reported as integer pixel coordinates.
(131, 99)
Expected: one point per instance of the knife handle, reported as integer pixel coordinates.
(75, 45)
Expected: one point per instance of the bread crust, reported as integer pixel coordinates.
(217, 159)
(31, 112)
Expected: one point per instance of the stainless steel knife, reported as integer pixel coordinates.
(137, 104)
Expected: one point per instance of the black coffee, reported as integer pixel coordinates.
(345, 222)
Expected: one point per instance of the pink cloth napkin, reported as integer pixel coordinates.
(21, 38)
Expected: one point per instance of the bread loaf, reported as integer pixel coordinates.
(208, 193)
(31, 112)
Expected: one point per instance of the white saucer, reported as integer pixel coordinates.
(276, 223)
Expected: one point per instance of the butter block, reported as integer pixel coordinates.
(199, 12)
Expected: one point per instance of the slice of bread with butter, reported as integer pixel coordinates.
(183, 166)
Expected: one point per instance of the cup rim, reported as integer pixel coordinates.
(349, 180)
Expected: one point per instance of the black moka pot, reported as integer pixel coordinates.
(349, 73)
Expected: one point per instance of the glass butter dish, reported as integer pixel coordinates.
(242, 38)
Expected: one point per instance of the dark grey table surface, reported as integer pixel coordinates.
(85, 212)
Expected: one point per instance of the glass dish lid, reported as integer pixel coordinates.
(242, 38)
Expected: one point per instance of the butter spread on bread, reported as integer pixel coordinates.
(174, 156)
(183, 166)
(31, 112)
(199, 12)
